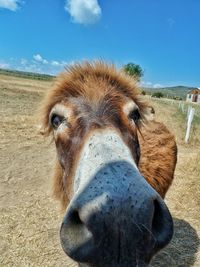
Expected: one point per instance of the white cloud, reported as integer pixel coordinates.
(40, 59)
(55, 63)
(23, 61)
(37, 57)
(31, 68)
(12, 5)
(157, 85)
(45, 64)
(83, 11)
(146, 84)
(36, 64)
(150, 84)
(4, 65)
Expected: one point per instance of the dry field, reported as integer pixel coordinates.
(29, 218)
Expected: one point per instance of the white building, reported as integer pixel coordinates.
(193, 96)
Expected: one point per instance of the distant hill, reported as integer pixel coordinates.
(28, 75)
(170, 92)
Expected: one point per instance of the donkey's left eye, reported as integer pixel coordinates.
(135, 115)
(56, 120)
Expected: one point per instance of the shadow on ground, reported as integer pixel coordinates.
(181, 252)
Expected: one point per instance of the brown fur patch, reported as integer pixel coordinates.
(158, 156)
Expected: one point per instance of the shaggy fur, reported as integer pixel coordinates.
(158, 156)
(96, 93)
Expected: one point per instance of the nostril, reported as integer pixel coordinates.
(74, 218)
(76, 239)
(162, 224)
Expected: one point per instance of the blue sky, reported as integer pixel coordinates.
(162, 36)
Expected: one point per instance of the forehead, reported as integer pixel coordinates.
(93, 84)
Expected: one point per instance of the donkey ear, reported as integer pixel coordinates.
(41, 129)
(149, 113)
(58, 187)
(42, 121)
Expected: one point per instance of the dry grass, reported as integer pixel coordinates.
(29, 218)
(183, 197)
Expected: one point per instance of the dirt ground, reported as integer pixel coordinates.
(29, 217)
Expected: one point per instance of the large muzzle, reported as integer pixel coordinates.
(115, 217)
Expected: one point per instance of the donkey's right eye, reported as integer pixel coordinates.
(56, 120)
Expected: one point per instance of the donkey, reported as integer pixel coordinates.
(114, 167)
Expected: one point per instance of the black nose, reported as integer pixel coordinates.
(121, 223)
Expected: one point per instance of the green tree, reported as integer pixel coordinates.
(143, 92)
(158, 94)
(134, 70)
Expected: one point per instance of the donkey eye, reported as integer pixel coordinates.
(56, 120)
(135, 115)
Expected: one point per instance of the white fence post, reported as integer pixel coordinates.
(189, 124)
(182, 107)
(188, 112)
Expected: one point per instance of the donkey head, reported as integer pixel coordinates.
(113, 216)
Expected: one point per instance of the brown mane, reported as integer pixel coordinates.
(105, 90)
